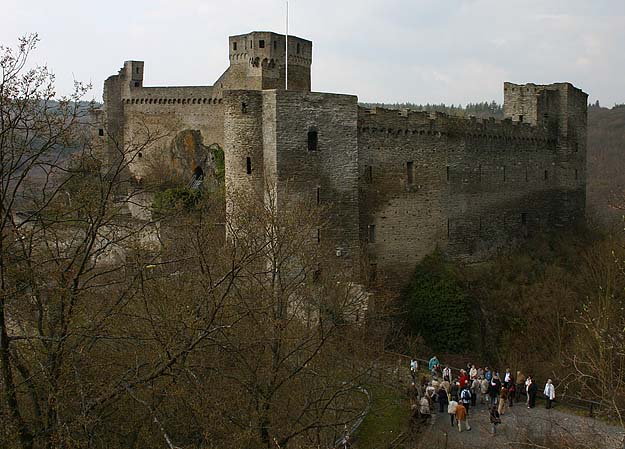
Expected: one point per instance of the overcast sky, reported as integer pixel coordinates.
(452, 51)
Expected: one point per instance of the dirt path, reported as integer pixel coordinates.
(522, 428)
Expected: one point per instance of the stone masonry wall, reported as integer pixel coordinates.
(465, 186)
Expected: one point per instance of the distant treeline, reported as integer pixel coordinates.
(483, 109)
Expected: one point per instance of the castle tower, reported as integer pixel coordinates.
(562, 109)
(257, 62)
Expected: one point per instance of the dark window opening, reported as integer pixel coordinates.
(373, 272)
(546, 175)
(410, 172)
(521, 118)
(261, 44)
(524, 218)
(248, 165)
(244, 108)
(546, 117)
(504, 173)
(137, 84)
(139, 155)
(479, 226)
(198, 173)
(100, 132)
(372, 233)
(368, 174)
(318, 195)
(447, 174)
(298, 48)
(316, 274)
(275, 45)
(313, 140)
(576, 174)
(448, 228)
(234, 46)
(318, 235)
(575, 147)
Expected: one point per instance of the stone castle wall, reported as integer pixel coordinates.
(395, 184)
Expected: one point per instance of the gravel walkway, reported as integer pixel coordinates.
(522, 428)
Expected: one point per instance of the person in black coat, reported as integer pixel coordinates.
(532, 390)
(443, 400)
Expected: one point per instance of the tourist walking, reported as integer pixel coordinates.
(443, 399)
(503, 399)
(462, 417)
(414, 367)
(495, 419)
(532, 390)
(550, 393)
(451, 409)
(433, 364)
(520, 385)
(465, 397)
(447, 373)
(475, 389)
(484, 384)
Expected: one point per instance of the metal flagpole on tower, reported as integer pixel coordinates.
(286, 50)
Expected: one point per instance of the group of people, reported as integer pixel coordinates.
(462, 392)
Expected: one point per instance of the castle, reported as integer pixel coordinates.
(398, 183)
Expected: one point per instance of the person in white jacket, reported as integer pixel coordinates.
(550, 393)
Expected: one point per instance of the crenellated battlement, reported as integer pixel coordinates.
(402, 123)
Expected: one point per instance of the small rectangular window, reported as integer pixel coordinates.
(244, 108)
(546, 175)
(313, 140)
(248, 165)
(101, 133)
(234, 46)
(275, 45)
(576, 174)
(298, 48)
(372, 233)
(137, 84)
(520, 118)
(524, 218)
(368, 174)
(373, 272)
(261, 44)
(410, 172)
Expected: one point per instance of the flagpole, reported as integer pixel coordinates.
(286, 51)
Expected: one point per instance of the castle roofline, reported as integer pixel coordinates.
(273, 33)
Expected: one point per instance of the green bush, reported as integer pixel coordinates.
(176, 199)
(439, 309)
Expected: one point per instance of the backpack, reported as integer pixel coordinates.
(465, 396)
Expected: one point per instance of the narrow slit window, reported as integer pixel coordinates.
(234, 46)
(546, 175)
(373, 272)
(248, 165)
(275, 45)
(318, 195)
(298, 48)
(318, 235)
(524, 218)
(576, 174)
(372, 233)
(526, 174)
(313, 139)
(447, 172)
(410, 172)
(504, 173)
(448, 228)
(369, 174)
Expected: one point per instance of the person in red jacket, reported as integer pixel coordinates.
(464, 379)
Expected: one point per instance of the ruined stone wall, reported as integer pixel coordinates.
(464, 185)
(164, 112)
